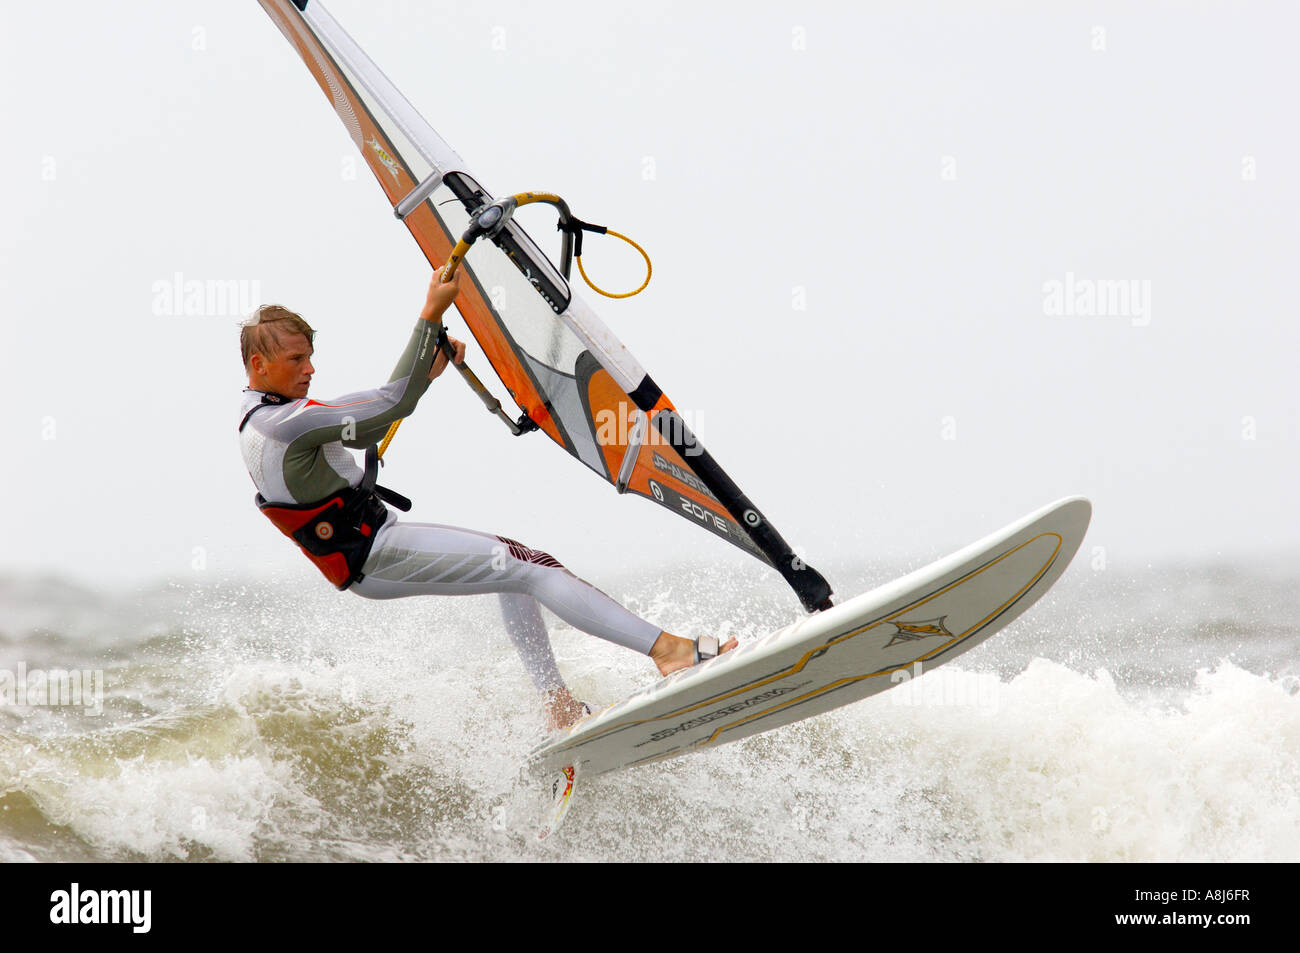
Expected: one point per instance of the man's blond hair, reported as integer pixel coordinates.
(264, 333)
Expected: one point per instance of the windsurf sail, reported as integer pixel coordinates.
(566, 371)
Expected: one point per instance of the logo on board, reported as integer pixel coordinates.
(913, 631)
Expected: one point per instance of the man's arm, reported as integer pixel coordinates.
(438, 299)
(361, 418)
(373, 432)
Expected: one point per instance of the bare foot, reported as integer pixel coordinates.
(672, 653)
(562, 710)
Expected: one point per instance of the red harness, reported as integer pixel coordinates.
(335, 533)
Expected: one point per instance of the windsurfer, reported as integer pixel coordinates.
(314, 492)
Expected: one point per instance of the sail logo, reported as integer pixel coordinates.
(683, 476)
(76, 906)
(691, 508)
(384, 157)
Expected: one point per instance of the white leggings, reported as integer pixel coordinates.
(424, 559)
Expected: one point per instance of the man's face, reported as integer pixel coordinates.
(289, 372)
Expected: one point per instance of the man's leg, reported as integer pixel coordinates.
(426, 559)
(523, 619)
(524, 625)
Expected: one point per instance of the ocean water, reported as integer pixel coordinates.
(1145, 715)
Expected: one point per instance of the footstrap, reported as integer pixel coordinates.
(706, 647)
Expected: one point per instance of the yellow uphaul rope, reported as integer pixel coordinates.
(388, 437)
(609, 294)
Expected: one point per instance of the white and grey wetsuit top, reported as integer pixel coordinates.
(295, 452)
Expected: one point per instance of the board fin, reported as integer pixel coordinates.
(563, 783)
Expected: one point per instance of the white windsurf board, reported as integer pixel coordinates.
(836, 657)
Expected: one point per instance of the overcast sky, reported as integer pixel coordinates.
(882, 237)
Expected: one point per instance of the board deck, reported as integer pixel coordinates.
(836, 657)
